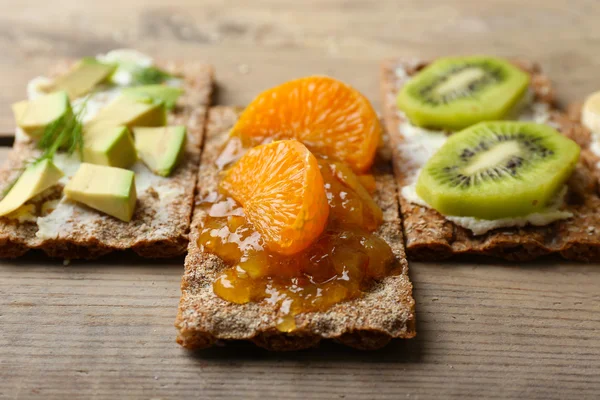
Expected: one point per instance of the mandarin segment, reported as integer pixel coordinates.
(328, 116)
(281, 189)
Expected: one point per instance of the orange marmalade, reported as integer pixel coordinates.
(345, 259)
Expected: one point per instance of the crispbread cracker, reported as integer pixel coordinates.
(385, 311)
(160, 225)
(429, 236)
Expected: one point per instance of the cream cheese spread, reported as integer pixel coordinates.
(480, 226)
(127, 60)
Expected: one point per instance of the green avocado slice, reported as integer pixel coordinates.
(131, 111)
(161, 149)
(34, 116)
(106, 189)
(164, 93)
(109, 145)
(82, 78)
(36, 178)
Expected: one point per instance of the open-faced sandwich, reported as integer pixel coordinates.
(297, 235)
(485, 164)
(105, 158)
(588, 135)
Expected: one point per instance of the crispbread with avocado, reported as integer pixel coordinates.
(385, 311)
(160, 224)
(430, 236)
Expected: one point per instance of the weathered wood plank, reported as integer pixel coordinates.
(493, 331)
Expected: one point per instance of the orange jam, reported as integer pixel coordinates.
(342, 262)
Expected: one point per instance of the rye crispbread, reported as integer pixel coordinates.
(160, 225)
(429, 236)
(385, 311)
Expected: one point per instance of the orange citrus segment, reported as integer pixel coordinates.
(281, 189)
(328, 116)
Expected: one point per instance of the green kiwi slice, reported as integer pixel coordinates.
(498, 169)
(457, 92)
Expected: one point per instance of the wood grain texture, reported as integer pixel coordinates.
(105, 330)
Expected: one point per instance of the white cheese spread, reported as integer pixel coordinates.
(36, 85)
(127, 60)
(58, 221)
(68, 164)
(480, 226)
(419, 144)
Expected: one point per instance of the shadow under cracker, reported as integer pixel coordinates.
(115, 259)
(399, 351)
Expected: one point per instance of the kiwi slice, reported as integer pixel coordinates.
(498, 170)
(454, 93)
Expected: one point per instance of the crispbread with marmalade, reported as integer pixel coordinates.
(385, 311)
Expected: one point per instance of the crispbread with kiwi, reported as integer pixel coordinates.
(385, 311)
(159, 227)
(429, 236)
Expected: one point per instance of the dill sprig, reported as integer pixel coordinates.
(149, 76)
(65, 133)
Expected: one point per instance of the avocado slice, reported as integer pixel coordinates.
(131, 111)
(36, 178)
(164, 93)
(82, 78)
(34, 116)
(162, 148)
(109, 145)
(106, 189)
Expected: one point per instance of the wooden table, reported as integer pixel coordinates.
(105, 329)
